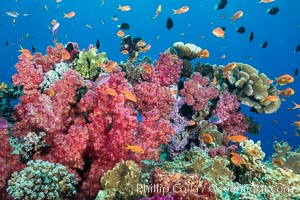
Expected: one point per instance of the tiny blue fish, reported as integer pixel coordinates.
(215, 120)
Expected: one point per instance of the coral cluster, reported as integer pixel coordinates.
(42, 180)
(250, 87)
(197, 93)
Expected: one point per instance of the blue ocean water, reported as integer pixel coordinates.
(281, 31)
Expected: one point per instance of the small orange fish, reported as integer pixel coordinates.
(237, 159)
(191, 123)
(266, 1)
(120, 34)
(111, 92)
(26, 52)
(286, 92)
(297, 106)
(110, 66)
(69, 15)
(2, 86)
(278, 161)
(51, 93)
(53, 22)
(254, 152)
(237, 15)
(135, 149)
(66, 55)
(218, 32)
(284, 79)
(204, 53)
(271, 98)
(296, 123)
(229, 67)
(124, 8)
(130, 96)
(157, 12)
(147, 68)
(124, 51)
(237, 138)
(141, 44)
(215, 82)
(146, 48)
(207, 138)
(181, 10)
(226, 74)
(114, 18)
(268, 82)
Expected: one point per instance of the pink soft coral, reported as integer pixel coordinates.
(232, 121)
(197, 93)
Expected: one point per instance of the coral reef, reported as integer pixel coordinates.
(115, 126)
(42, 180)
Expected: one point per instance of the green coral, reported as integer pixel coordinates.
(122, 180)
(42, 180)
(87, 63)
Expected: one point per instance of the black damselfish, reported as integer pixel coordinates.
(297, 48)
(98, 44)
(264, 44)
(241, 29)
(169, 24)
(296, 72)
(221, 5)
(251, 36)
(70, 47)
(273, 11)
(124, 26)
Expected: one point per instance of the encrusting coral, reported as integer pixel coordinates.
(123, 181)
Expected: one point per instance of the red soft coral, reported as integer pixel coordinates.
(153, 96)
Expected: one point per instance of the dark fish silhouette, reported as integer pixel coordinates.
(169, 24)
(124, 26)
(241, 29)
(69, 47)
(221, 5)
(6, 43)
(223, 28)
(98, 44)
(251, 36)
(296, 72)
(273, 11)
(297, 48)
(264, 44)
(33, 49)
